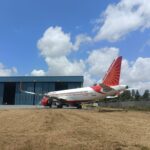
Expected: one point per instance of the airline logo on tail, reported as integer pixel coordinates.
(112, 76)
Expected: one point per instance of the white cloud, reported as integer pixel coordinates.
(7, 72)
(63, 66)
(100, 59)
(38, 72)
(81, 38)
(136, 74)
(56, 51)
(142, 86)
(138, 71)
(122, 18)
(88, 79)
(55, 46)
(55, 43)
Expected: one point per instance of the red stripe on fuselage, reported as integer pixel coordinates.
(98, 89)
(77, 101)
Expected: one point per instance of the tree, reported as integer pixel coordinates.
(133, 94)
(137, 95)
(146, 95)
(126, 95)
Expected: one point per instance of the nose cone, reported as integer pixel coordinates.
(44, 101)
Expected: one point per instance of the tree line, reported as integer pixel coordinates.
(133, 95)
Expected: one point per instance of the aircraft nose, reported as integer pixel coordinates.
(44, 101)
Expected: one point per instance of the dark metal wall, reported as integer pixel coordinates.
(10, 87)
(37, 87)
(1, 92)
(43, 88)
(72, 85)
(22, 98)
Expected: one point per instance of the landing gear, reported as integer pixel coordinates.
(79, 106)
(49, 103)
(59, 105)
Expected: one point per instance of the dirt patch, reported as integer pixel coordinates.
(29, 129)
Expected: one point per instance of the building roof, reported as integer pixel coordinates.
(42, 79)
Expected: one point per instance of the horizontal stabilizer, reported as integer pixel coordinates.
(112, 96)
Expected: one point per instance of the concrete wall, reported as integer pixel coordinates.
(126, 104)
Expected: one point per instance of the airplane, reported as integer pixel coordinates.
(109, 88)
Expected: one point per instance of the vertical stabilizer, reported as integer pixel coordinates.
(112, 76)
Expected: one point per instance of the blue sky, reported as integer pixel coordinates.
(117, 24)
(23, 22)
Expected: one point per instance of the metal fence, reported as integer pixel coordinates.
(126, 104)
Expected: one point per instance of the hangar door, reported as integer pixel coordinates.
(61, 86)
(9, 93)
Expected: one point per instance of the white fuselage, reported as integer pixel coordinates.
(84, 94)
(79, 94)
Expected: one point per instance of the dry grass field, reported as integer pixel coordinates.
(65, 129)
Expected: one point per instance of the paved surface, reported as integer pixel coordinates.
(30, 107)
(20, 106)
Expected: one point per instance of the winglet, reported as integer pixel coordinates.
(112, 76)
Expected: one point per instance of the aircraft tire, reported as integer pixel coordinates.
(60, 105)
(50, 103)
(79, 106)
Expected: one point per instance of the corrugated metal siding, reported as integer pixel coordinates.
(42, 85)
(43, 88)
(72, 85)
(1, 92)
(22, 98)
(38, 89)
(42, 79)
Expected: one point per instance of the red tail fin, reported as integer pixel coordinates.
(112, 76)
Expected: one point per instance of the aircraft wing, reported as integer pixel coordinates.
(32, 93)
(39, 94)
(29, 92)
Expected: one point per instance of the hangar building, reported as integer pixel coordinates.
(10, 87)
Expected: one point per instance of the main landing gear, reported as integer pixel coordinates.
(59, 105)
(52, 102)
(49, 103)
(79, 106)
